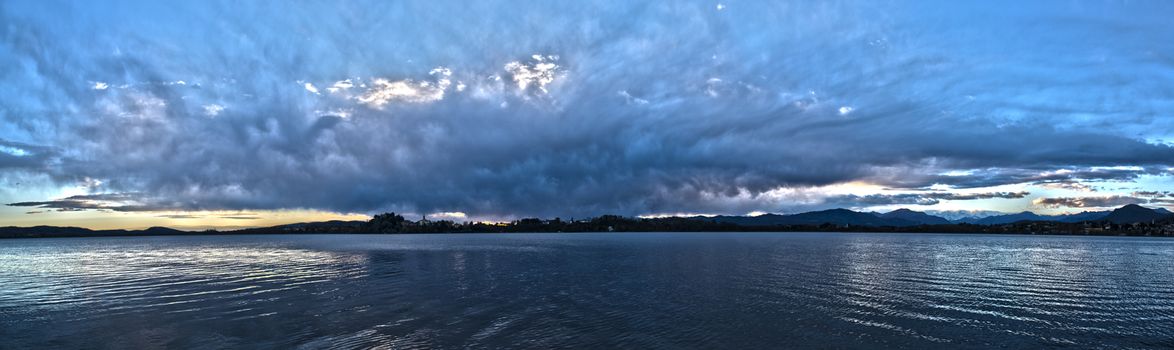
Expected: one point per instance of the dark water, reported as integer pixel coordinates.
(662, 290)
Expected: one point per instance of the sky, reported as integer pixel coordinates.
(201, 114)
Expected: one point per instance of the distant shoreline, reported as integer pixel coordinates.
(1130, 220)
(73, 232)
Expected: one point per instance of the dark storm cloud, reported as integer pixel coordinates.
(575, 108)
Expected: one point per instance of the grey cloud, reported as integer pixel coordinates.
(1089, 202)
(1060, 175)
(21, 156)
(59, 204)
(1072, 185)
(191, 216)
(929, 198)
(124, 202)
(961, 214)
(736, 103)
(1153, 193)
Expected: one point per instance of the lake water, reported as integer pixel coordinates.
(625, 290)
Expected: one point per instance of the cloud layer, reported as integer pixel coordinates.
(580, 108)
(925, 198)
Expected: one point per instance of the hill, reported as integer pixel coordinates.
(915, 217)
(1029, 216)
(831, 216)
(1134, 213)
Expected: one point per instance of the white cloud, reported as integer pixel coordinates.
(632, 99)
(100, 86)
(91, 183)
(845, 110)
(711, 86)
(341, 85)
(455, 215)
(441, 71)
(14, 151)
(340, 112)
(311, 88)
(213, 110)
(383, 91)
(538, 73)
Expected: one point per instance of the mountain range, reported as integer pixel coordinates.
(905, 217)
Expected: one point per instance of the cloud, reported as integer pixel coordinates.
(383, 91)
(1153, 194)
(59, 204)
(204, 216)
(1070, 185)
(17, 156)
(213, 110)
(341, 85)
(1088, 202)
(961, 214)
(311, 88)
(14, 151)
(105, 201)
(631, 99)
(1057, 176)
(533, 75)
(928, 198)
(719, 110)
(456, 216)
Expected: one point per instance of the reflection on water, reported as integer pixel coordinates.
(577, 290)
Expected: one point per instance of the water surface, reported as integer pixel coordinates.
(629, 290)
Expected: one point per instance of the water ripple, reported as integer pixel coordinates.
(688, 290)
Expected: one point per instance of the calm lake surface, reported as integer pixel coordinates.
(629, 290)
